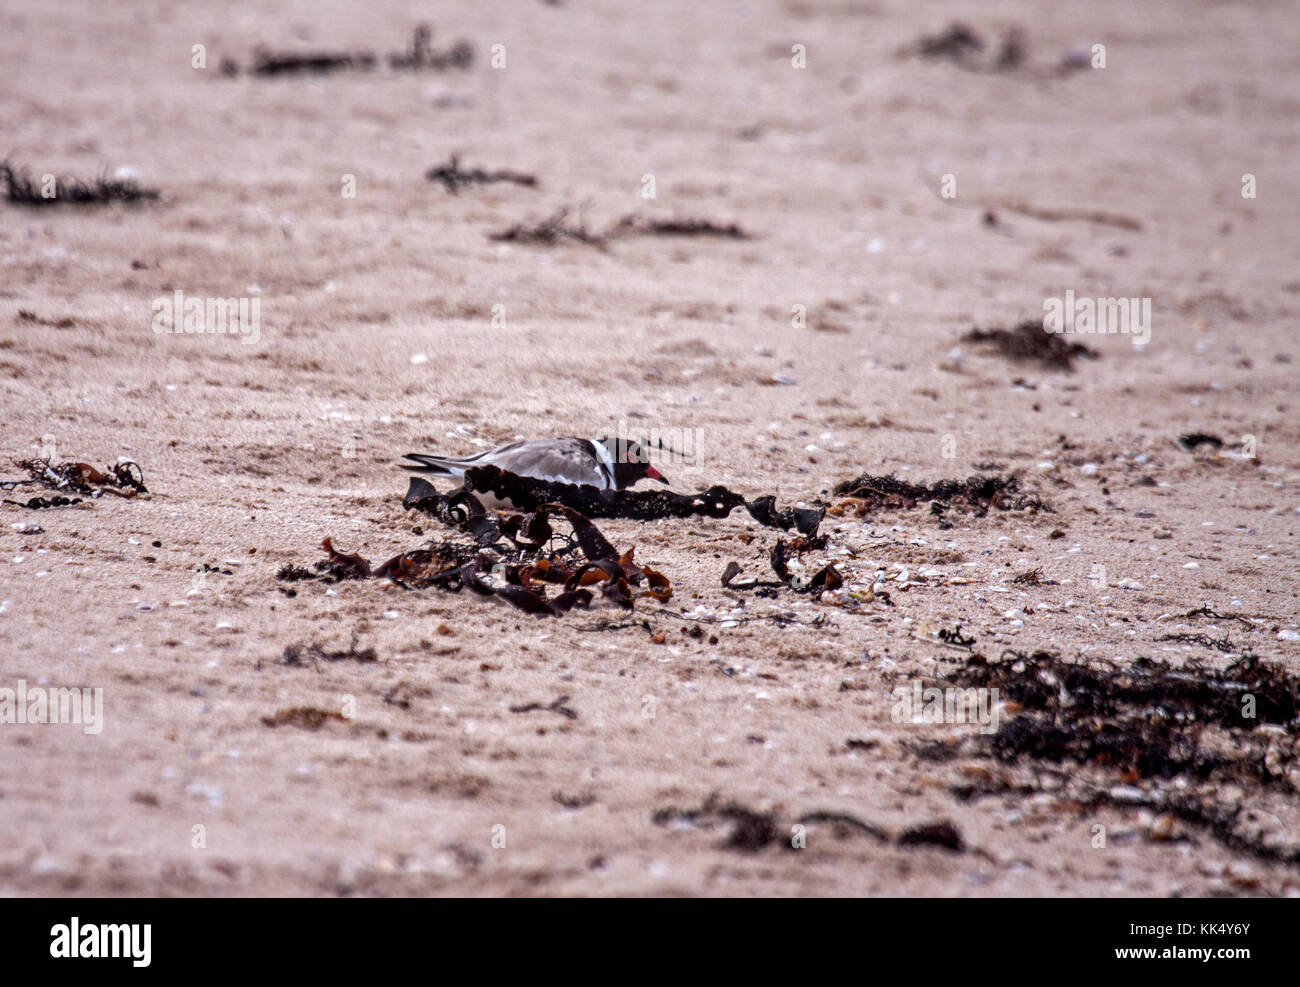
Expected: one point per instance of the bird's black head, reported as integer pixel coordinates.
(631, 463)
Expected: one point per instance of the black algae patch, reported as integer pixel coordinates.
(1029, 342)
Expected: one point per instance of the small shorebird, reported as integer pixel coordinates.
(606, 464)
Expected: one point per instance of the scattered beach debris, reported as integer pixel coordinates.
(1194, 440)
(66, 322)
(420, 56)
(641, 226)
(964, 47)
(1208, 611)
(956, 638)
(942, 834)
(956, 42)
(731, 581)
(1203, 744)
(512, 557)
(454, 178)
(579, 801)
(843, 822)
(750, 830)
(556, 706)
(1152, 697)
(306, 717)
(123, 479)
(826, 579)
(1222, 644)
(1049, 214)
(42, 503)
(989, 206)
(268, 63)
(641, 505)
(294, 654)
(24, 190)
(346, 566)
(556, 229)
(868, 493)
(1030, 342)
(967, 49)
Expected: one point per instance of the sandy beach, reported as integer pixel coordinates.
(866, 201)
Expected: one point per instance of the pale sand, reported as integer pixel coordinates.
(242, 444)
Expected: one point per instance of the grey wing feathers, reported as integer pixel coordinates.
(566, 460)
(557, 460)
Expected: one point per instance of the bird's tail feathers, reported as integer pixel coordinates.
(436, 465)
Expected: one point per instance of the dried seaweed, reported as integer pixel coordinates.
(556, 706)
(346, 566)
(1206, 611)
(22, 189)
(421, 55)
(271, 63)
(306, 717)
(843, 822)
(454, 178)
(1030, 342)
(1189, 695)
(942, 834)
(1192, 736)
(67, 322)
(555, 229)
(294, 654)
(1229, 823)
(123, 479)
(1145, 720)
(729, 580)
(641, 505)
(100, 190)
(957, 42)
(827, 578)
(42, 503)
(1222, 644)
(291, 573)
(512, 557)
(1060, 214)
(964, 47)
(633, 225)
(1190, 441)
(956, 638)
(868, 492)
(751, 830)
